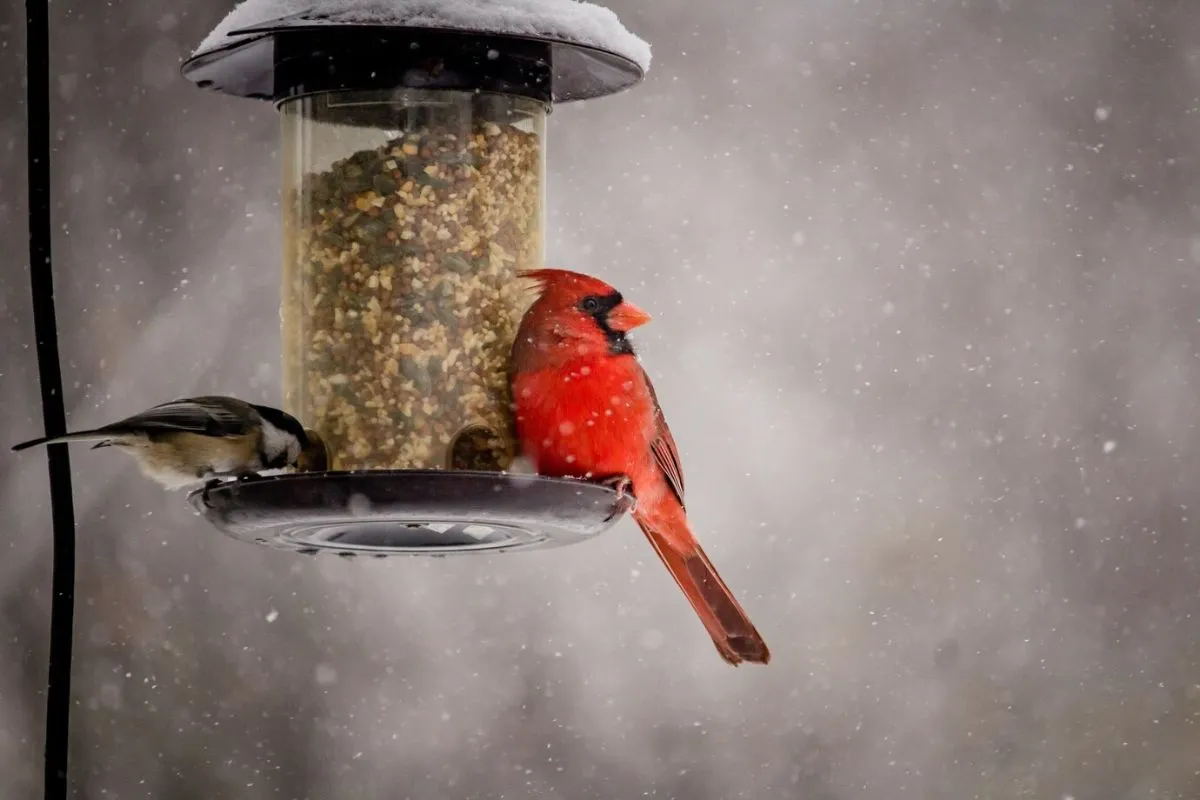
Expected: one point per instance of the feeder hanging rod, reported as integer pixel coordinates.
(41, 279)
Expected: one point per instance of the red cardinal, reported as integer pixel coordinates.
(584, 408)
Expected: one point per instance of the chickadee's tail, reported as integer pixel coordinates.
(105, 437)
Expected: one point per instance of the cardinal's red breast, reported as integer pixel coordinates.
(592, 417)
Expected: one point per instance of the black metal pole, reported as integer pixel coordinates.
(54, 418)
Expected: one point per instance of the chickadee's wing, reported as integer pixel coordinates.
(210, 416)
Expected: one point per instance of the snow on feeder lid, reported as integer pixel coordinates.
(413, 193)
(556, 50)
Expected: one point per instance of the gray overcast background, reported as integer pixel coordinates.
(926, 330)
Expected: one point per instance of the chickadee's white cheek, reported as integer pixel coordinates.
(276, 441)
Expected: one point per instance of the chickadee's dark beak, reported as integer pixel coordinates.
(315, 457)
(626, 316)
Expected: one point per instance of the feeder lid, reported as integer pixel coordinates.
(589, 52)
(408, 512)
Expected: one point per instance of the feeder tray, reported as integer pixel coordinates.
(383, 513)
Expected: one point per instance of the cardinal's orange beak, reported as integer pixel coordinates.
(626, 317)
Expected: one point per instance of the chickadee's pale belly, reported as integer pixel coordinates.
(182, 458)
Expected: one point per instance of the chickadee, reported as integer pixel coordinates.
(201, 438)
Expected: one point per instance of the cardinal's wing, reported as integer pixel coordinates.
(663, 448)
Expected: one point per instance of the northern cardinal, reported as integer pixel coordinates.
(585, 408)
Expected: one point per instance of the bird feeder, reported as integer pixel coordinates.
(413, 192)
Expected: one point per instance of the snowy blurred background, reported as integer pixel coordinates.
(926, 329)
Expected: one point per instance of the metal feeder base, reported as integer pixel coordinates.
(408, 512)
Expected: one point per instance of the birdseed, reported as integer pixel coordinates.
(401, 302)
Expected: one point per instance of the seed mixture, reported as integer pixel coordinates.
(401, 299)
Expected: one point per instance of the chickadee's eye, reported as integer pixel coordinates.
(590, 304)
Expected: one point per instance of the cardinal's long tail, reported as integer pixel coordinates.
(731, 630)
(103, 436)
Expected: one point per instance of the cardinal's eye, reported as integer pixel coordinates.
(590, 304)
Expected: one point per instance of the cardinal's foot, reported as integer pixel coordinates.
(626, 502)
